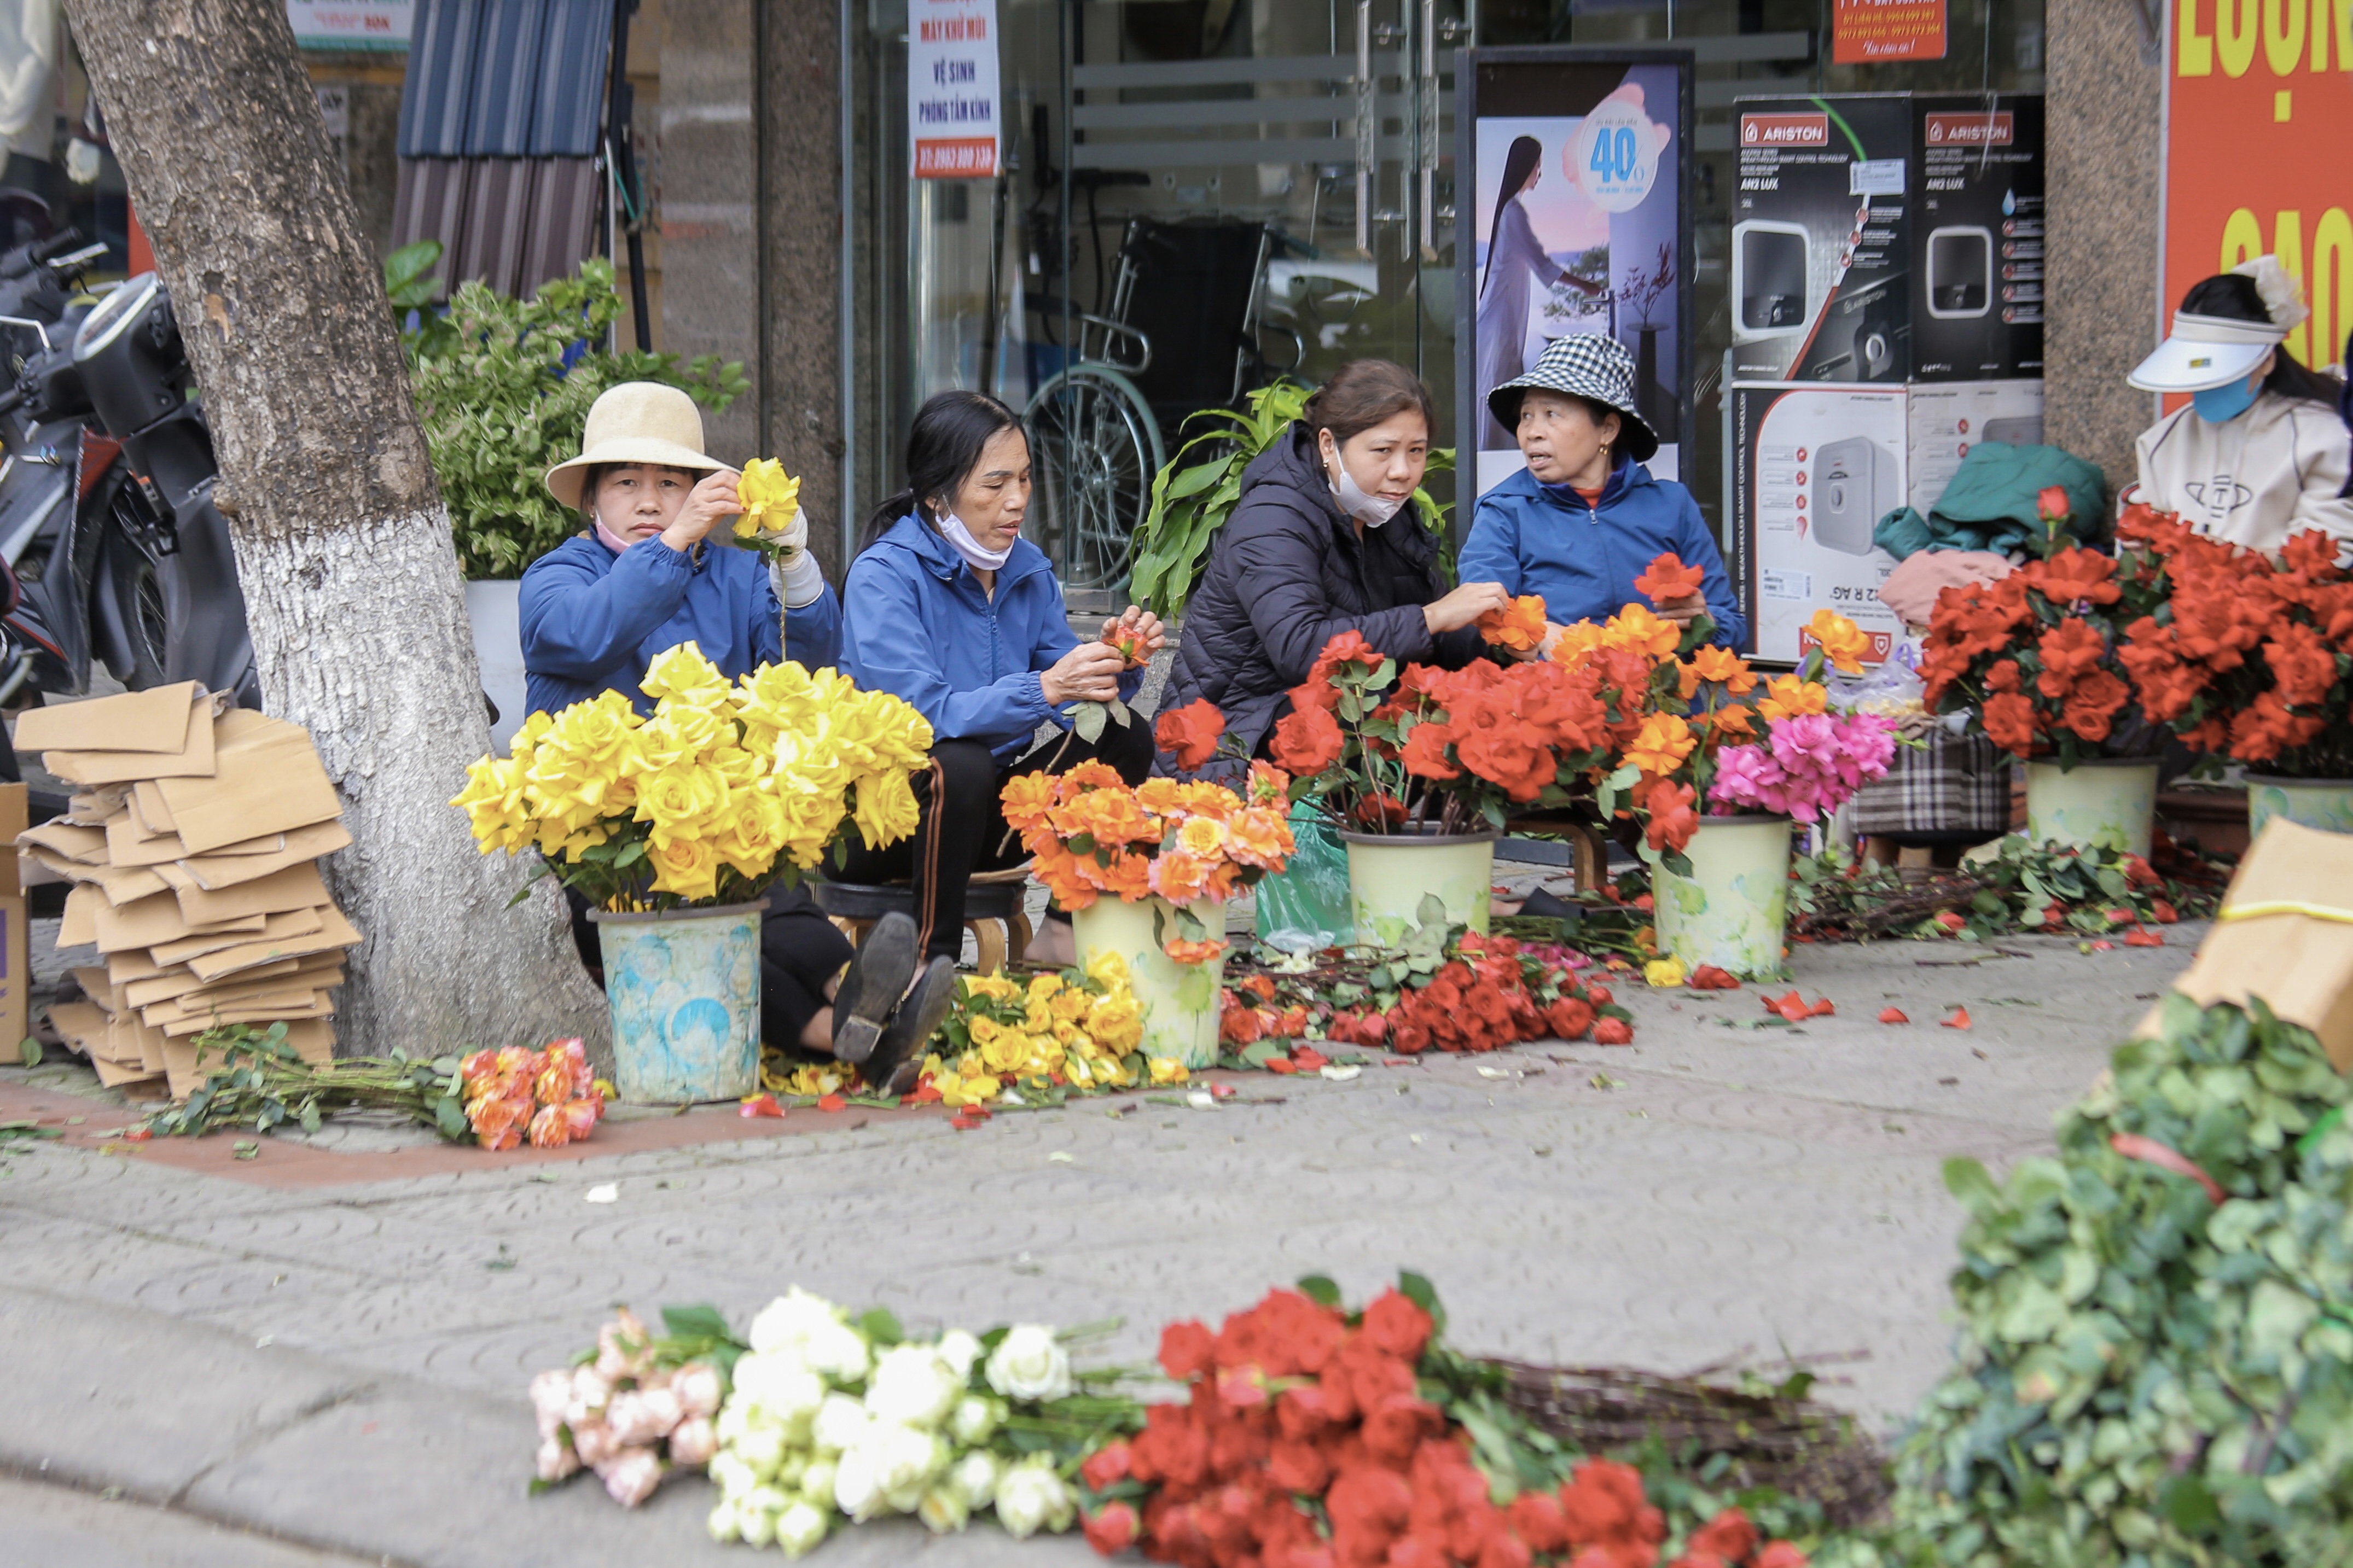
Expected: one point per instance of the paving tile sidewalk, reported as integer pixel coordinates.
(340, 1366)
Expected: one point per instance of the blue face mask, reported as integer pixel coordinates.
(2221, 404)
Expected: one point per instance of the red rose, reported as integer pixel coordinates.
(1569, 1018)
(1372, 1501)
(1425, 753)
(1538, 1520)
(1307, 741)
(1613, 1032)
(1600, 995)
(1191, 732)
(1419, 1552)
(1105, 1466)
(1111, 1530)
(1396, 1325)
(1729, 1535)
(1298, 1467)
(1394, 1427)
(1780, 1554)
(2008, 720)
(1185, 1349)
(1505, 1549)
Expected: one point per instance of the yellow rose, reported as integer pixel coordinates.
(493, 801)
(685, 866)
(982, 1027)
(1006, 1053)
(1117, 1023)
(770, 497)
(1107, 969)
(1070, 1005)
(682, 671)
(1168, 1070)
(886, 811)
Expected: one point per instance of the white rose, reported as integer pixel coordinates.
(912, 1386)
(857, 1490)
(976, 1477)
(789, 1474)
(768, 1500)
(943, 1510)
(1031, 1363)
(816, 1481)
(841, 1422)
(594, 1439)
(781, 1384)
(551, 1395)
(763, 1448)
(904, 1461)
(692, 1442)
(1030, 1497)
(630, 1475)
(975, 1420)
(697, 1387)
(756, 1526)
(800, 1528)
(590, 1395)
(556, 1459)
(959, 1350)
(790, 1320)
(840, 1352)
(724, 1522)
(734, 1420)
(731, 1476)
(642, 1416)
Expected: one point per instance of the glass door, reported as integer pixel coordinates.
(1243, 189)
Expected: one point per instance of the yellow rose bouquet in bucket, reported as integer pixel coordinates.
(673, 828)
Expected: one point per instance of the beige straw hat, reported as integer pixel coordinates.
(636, 422)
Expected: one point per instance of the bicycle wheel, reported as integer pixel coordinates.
(1096, 448)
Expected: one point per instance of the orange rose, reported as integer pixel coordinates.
(1259, 838)
(1027, 799)
(1307, 741)
(1667, 578)
(1191, 732)
(1518, 625)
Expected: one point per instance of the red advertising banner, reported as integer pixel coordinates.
(2258, 118)
(1866, 32)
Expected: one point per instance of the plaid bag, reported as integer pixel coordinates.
(1959, 784)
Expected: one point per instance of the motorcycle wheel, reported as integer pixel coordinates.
(139, 589)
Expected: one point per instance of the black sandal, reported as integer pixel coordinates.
(870, 987)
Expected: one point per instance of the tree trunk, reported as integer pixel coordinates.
(343, 545)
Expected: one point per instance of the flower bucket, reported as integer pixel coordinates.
(1732, 910)
(2323, 804)
(1390, 873)
(2104, 803)
(1180, 1002)
(684, 990)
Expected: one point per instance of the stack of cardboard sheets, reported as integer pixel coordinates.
(192, 842)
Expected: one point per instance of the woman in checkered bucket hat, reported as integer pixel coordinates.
(1579, 522)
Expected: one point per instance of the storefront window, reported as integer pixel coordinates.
(1273, 206)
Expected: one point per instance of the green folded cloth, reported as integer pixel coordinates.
(1990, 503)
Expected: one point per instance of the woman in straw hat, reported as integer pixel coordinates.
(600, 607)
(2258, 453)
(1579, 523)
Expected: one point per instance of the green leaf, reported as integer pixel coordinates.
(28, 1051)
(1258, 1053)
(1417, 1289)
(1967, 1181)
(1320, 1290)
(1119, 711)
(2189, 1506)
(1087, 719)
(881, 1325)
(449, 1116)
(701, 1322)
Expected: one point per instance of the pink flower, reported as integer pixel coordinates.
(594, 1439)
(556, 1459)
(1748, 777)
(630, 1475)
(642, 1416)
(550, 1394)
(693, 1442)
(621, 1347)
(697, 1387)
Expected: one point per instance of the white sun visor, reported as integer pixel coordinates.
(2206, 351)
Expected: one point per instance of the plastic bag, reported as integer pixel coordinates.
(1305, 906)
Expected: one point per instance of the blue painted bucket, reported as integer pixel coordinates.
(685, 989)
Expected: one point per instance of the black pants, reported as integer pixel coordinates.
(962, 828)
(800, 951)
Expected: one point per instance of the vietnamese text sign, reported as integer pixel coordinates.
(2258, 114)
(952, 115)
(1865, 32)
(359, 25)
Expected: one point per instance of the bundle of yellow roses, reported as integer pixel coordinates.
(1074, 1032)
(728, 789)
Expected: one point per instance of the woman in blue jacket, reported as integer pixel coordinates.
(1580, 522)
(950, 609)
(601, 606)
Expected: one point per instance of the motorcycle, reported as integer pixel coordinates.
(106, 511)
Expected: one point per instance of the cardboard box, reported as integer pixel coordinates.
(67, 841)
(267, 779)
(155, 720)
(335, 932)
(297, 886)
(192, 758)
(157, 919)
(2264, 945)
(1945, 420)
(293, 924)
(1820, 238)
(1976, 238)
(16, 972)
(1814, 468)
(238, 863)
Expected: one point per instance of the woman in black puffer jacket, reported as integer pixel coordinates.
(1324, 541)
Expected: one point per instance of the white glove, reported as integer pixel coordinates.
(800, 581)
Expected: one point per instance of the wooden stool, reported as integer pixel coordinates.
(1580, 847)
(993, 910)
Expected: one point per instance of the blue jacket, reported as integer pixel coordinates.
(592, 620)
(1583, 559)
(920, 627)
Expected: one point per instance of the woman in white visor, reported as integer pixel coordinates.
(2259, 453)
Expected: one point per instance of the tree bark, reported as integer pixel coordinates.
(343, 548)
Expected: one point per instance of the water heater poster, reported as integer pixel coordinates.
(1816, 467)
(952, 110)
(1869, 32)
(2258, 112)
(1575, 160)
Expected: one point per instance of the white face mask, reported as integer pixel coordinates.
(953, 530)
(1372, 510)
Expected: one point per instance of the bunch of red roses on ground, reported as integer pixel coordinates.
(1313, 1438)
(1475, 993)
(2244, 656)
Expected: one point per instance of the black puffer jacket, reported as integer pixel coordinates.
(1287, 575)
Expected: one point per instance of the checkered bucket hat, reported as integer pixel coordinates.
(1591, 365)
